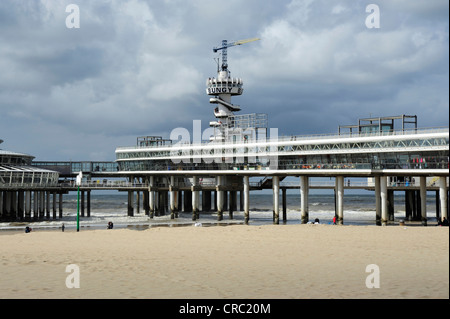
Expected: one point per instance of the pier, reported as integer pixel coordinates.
(391, 153)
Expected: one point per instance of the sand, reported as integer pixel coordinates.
(256, 262)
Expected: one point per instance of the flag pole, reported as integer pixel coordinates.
(78, 210)
(78, 181)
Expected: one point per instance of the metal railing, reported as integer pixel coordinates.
(290, 138)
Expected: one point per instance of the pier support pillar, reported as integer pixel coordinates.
(423, 199)
(304, 193)
(246, 199)
(82, 204)
(391, 208)
(36, 205)
(340, 199)
(88, 207)
(276, 199)
(47, 205)
(27, 205)
(443, 196)
(408, 205)
(180, 202)
(138, 202)
(219, 198)
(41, 205)
(130, 203)
(377, 201)
(195, 198)
(54, 205)
(384, 200)
(21, 205)
(60, 205)
(145, 202)
(151, 197)
(284, 204)
(173, 199)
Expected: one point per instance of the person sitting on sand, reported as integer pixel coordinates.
(316, 221)
(444, 222)
(27, 229)
(110, 225)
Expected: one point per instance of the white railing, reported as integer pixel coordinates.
(291, 138)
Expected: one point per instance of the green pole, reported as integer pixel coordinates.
(78, 210)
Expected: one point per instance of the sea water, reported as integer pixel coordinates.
(359, 209)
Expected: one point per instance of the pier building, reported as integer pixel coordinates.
(241, 147)
(22, 184)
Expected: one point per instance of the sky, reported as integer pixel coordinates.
(138, 68)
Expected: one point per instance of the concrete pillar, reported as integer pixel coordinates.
(340, 199)
(391, 208)
(60, 205)
(47, 204)
(443, 196)
(27, 205)
(82, 204)
(180, 202)
(130, 208)
(14, 205)
(21, 205)
(241, 201)
(172, 197)
(284, 204)
(384, 200)
(88, 207)
(377, 201)
(151, 197)
(304, 194)
(145, 202)
(246, 199)
(219, 198)
(437, 204)
(408, 205)
(195, 198)
(138, 202)
(423, 199)
(276, 199)
(54, 205)
(41, 204)
(36, 205)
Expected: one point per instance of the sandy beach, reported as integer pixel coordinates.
(256, 262)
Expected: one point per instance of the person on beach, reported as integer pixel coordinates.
(334, 220)
(317, 221)
(110, 225)
(27, 229)
(444, 222)
(63, 227)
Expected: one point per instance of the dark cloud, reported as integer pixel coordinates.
(139, 68)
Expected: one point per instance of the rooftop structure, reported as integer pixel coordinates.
(16, 171)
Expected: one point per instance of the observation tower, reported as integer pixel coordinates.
(221, 89)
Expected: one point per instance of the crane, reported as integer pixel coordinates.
(226, 45)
